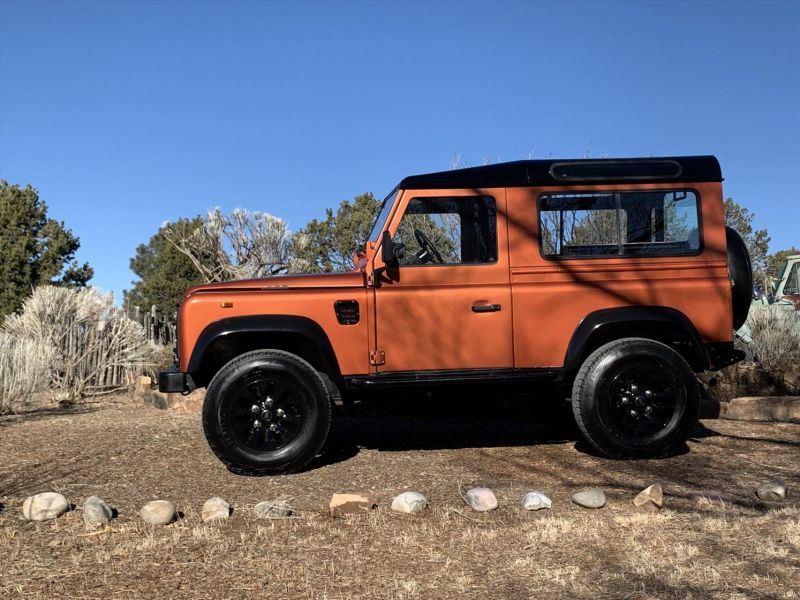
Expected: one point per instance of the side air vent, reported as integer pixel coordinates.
(347, 312)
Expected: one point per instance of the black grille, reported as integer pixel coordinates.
(347, 312)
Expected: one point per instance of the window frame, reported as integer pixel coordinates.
(793, 272)
(558, 257)
(458, 264)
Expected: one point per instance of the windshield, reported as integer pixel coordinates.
(388, 202)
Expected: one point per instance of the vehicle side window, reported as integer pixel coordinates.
(453, 230)
(594, 224)
(791, 281)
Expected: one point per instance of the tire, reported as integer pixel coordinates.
(741, 273)
(613, 384)
(266, 412)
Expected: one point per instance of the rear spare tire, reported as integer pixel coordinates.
(266, 412)
(635, 398)
(741, 273)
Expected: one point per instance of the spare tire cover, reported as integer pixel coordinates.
(741, 272)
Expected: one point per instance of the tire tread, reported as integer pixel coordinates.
(579, 391)
(208, 418)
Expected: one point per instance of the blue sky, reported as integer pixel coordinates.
(126, 114)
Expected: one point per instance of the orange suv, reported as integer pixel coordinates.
(617, 279)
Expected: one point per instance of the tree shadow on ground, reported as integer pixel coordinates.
(35, 477)
(47, 412)
(530, 429)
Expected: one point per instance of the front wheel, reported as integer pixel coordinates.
(635, 398)
(266, 412)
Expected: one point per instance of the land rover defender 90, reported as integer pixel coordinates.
(616, 279)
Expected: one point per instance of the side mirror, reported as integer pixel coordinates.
(359, 259)
(388, 253)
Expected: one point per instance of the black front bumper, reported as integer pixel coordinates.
(175, 382)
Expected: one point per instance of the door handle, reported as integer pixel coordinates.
(479, 308)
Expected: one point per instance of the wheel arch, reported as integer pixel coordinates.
(225, 339)
(660, 323)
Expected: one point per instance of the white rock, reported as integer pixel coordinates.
(481, 499)
(96, 512)
(536, 501)
(773, 491)
(216, 509)
(274, 509)
(409, 502)
(590, 498)
(652, 495)
(44, 506)
(158, 512)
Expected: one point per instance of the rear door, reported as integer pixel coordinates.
(448, 305)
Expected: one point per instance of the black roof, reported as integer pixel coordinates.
(566, 171)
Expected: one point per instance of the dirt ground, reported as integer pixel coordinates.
(130, 454)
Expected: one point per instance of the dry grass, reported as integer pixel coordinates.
(130, 455)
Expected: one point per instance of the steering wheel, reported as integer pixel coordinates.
(428, 247)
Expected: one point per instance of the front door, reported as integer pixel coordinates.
(448, 304)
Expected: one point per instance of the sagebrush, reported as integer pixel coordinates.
(25, 367)
(90, 338)
(775, 337)
(241, 245)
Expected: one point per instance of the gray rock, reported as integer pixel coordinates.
(216, 509)
(158, 512)
(772, 491)
(409, 502)
(274, 509)
(536, 501)
(481, 499)
(96, 512)
(44, 506)
(589, 498)
(651, 496)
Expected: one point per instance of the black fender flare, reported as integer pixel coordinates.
(229, 328)
(654, 322)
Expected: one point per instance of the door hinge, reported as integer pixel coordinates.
(377, 357)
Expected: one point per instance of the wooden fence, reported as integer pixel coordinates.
(158, 329)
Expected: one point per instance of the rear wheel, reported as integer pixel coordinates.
(266, 412)
(635, 398)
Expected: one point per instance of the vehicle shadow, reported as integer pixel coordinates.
(448, 421)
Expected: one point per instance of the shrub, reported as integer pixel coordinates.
(96, 345)
(25, 368)
(771, 367)
(775, 334)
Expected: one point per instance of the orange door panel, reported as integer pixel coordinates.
(441, 317)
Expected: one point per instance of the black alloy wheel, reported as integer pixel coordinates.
(640, 400)
(635, 398)
(267, 412)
